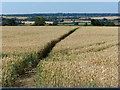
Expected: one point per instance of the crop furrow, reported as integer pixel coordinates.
(43, 53)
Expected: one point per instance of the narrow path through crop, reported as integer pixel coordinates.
(29, 78)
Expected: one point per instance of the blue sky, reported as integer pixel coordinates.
(58, 7)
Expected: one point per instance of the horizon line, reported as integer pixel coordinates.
(63, 13)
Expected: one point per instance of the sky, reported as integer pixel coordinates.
(59, 7)
(60, 0)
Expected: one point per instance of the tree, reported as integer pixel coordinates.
(62, 20)
(39, 21)
(86, 24)
(55, 22)
(9, 22)
(95, 22)
(103, 22)
(104, 19)
(109, 23)
(76, 23)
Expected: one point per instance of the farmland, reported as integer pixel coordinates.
(20, 47)
(63, 19)
(0, 73)
(86, 58)
(29, 39)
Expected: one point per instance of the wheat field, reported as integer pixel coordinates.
(20, 46)
(25, 39)
(87, 58)
(109, 17)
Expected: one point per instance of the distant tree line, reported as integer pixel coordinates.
(9, 22)
(103, 22)
(64, 14)
(40, 21)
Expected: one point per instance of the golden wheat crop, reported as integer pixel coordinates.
(1, 73)
(15, 17)
(87, 58)
(110, 17)
(20, 46)
(22, 39)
